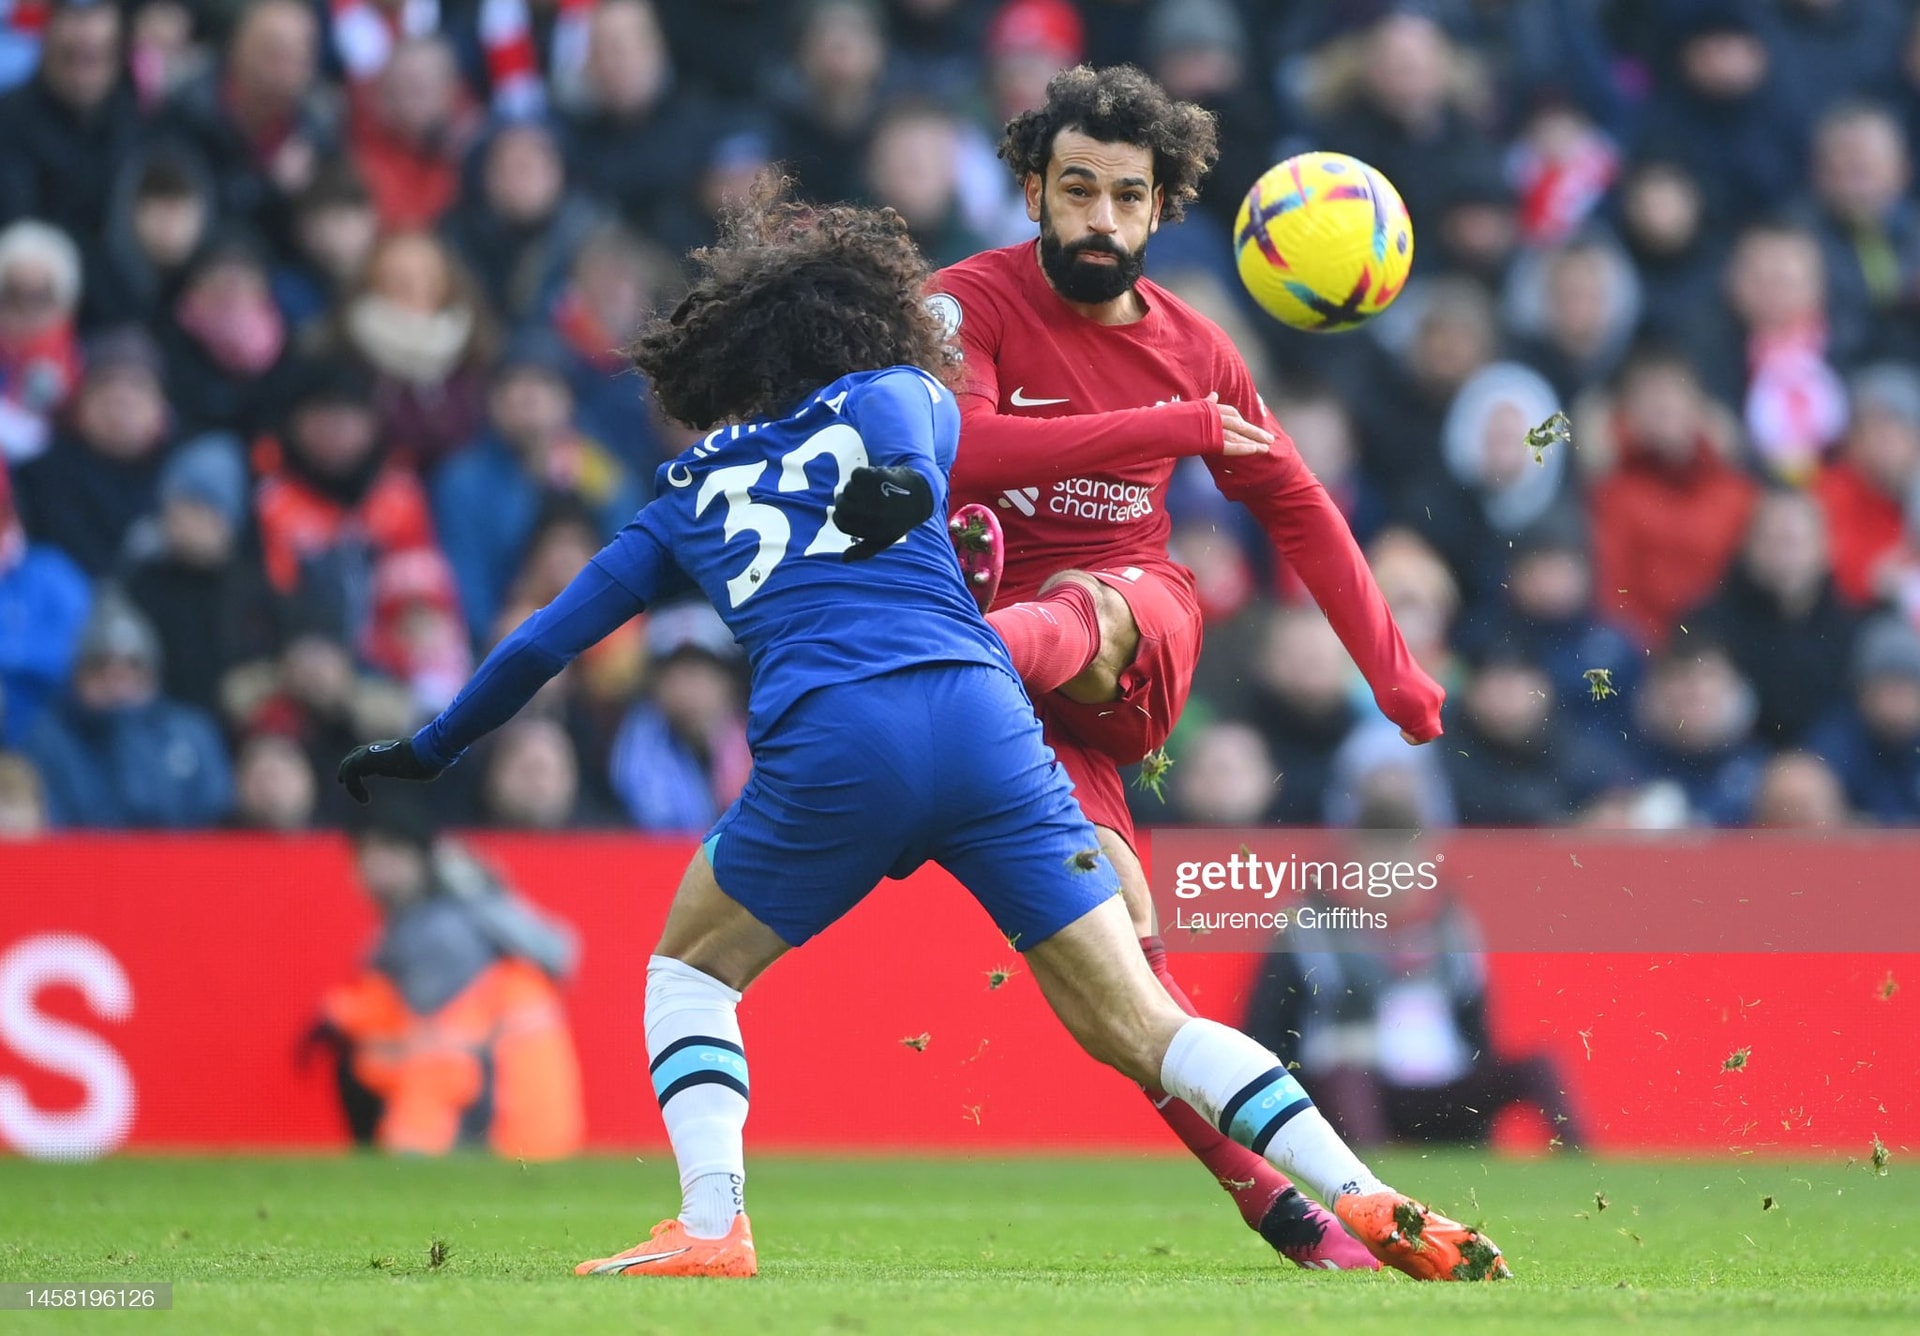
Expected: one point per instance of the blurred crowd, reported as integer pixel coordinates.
(310, 387)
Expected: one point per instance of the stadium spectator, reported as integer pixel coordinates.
(416, 635)
(1576, 309)
(410, 135)
(1872, 741)
(44, 601)
(1197, 50)
(261, 121)
(1694, 722)
(78, 109)
(1663, 223)
(274, 787)
(593, 694)
(913, 167)
(334, 230)
(1546, 611)
(1391, 1026)
(23, 802)
(1865, 488)
(1799, 792)
(163, 55)
(531, 781)
(1423, 596)
(314, 694)
(1772, 353)
(1780, 618)
(86, 492)
(226, 346)
(681, 753)
(518, 221)
(1562, 165)
(454, 1035)
(1402, 108)
(161, 217)
(192, 575)
(40, 286)
(828, 100)
(1725, 108)
(1401, 396)
(1324, 432)
(640, 141)
(1222, 776)
(1868, 229)
(936, 46)
(118, 755)
(1669, 516)
(1508, 761)
(419, 324)
(616, 280)
(1299, 703)
(1828, 46)
(1028, 42)
(1497, 485)
(331, 502)
(488, 498)
(1479, 226)
(726, 51)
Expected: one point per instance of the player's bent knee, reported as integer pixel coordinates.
(1119, 639)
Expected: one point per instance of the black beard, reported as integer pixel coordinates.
(1091, 284)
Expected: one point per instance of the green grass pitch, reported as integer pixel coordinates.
(992, 1246)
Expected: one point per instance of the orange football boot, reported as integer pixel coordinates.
(1423, 1243)
(671, 1251)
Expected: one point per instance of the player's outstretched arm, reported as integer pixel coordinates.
(1311, 533)
(999, 450)
(601, 598)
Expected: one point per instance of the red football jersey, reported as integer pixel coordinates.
(1053, 436)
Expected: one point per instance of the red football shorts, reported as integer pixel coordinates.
(1094, 741)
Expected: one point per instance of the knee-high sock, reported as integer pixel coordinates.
(700, 1077)
(1251, 1181)
(1052, 638)
(1242, 1089)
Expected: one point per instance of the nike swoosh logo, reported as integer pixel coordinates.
(888, 489)
(622, 1263)
(1019, 399)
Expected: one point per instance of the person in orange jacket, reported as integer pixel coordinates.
(454, 1035)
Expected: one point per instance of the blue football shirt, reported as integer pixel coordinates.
(746, 515)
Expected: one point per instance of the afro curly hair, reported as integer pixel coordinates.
(792, 297)
(1119, 105)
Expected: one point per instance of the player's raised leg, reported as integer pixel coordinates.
(1293, 1224)
(1106, 997)
(710, 950)
(1078, 637)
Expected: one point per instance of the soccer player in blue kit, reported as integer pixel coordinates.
(887, 723)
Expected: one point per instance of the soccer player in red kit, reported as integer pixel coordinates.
(1084, 385)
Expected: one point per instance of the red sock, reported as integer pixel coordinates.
(1251, 1181)
(1053, 638)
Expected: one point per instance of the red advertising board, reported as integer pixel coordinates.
(152, 991)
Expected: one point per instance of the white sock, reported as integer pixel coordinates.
(1245, 1091)
(700, 1077)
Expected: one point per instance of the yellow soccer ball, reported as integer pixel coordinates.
(1323, 242)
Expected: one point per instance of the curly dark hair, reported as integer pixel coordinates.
(1119, 105)
(791, 297)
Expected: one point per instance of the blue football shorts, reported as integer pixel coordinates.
(870, 779)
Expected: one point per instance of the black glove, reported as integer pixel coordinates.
(393, 758)
(879, 507)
